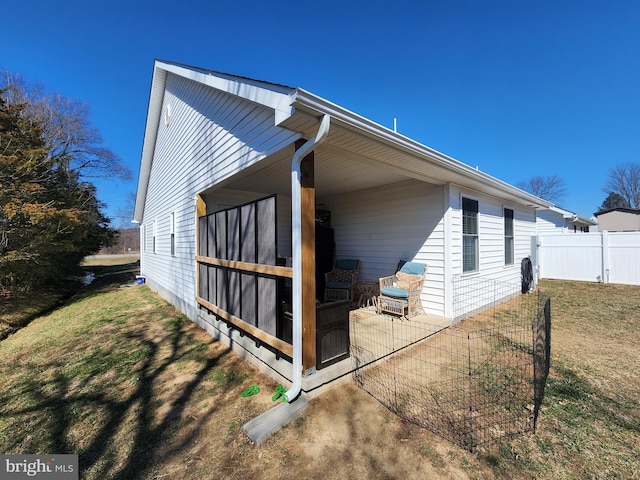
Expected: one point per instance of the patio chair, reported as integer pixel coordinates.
(402, 290)
(341, 281)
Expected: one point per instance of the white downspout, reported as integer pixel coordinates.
(296, 245)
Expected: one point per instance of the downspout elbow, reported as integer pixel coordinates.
(296, 243)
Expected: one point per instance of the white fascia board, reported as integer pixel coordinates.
(388, 136)
(560, 211)
(156, 97)
(276, 97)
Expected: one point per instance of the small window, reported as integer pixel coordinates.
(508, 236)
(469, 235)
(153, 237)
(172, 230)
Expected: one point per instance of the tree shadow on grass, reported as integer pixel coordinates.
(148, 435)
(58, 404)
(90, 391)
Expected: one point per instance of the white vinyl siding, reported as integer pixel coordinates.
(383, 225)
(550, 222)
(210, 136)
(491, 236)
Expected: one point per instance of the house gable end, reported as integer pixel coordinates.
(265, 103)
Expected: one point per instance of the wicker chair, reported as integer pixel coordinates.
(340, 282)
(402, 290)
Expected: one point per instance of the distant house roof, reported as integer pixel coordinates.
(619, 219)
(634, 211)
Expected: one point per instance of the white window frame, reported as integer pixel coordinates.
(473, 235)
(154, 237)
(509, 239)
(172, 232)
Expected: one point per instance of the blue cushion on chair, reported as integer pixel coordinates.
(339, 285)
(395, 292)
(413, 268)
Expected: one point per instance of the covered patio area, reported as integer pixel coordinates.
(351, 208)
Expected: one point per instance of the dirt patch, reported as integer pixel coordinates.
(354, 430)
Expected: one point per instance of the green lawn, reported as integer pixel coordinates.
(119, 377)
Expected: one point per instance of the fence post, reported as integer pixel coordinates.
(470, 437)
(605, 256)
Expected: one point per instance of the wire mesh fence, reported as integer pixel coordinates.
(471, 383)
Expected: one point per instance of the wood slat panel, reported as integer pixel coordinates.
(276, 271)
(275, 342)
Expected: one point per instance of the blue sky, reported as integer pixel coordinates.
(516, 88)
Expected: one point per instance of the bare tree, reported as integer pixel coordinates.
(551, 188)
(624, 179)
(70, 137)
(124, 214)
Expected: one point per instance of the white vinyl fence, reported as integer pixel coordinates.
(608, 257)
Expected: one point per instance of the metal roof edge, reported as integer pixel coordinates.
(635, 211)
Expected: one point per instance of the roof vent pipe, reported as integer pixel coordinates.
(296, 246)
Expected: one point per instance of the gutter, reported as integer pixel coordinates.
(296, 243)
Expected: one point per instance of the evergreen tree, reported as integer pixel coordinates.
(49, 219)
(614, 200)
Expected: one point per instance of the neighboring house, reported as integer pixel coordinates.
(557, 220)
(619, 220)
(264, 156)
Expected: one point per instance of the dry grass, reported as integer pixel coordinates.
(589, 426)
(122, 379)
